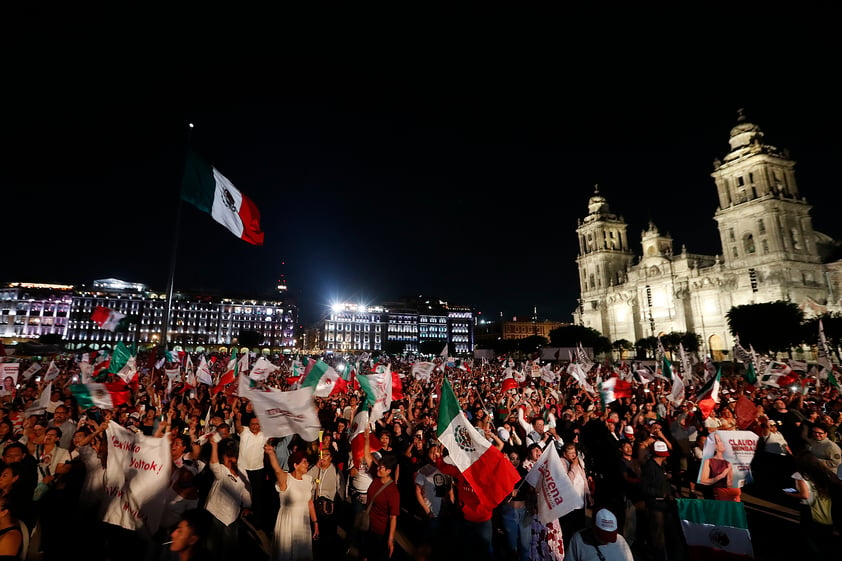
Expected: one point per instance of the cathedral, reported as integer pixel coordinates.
(770, 252)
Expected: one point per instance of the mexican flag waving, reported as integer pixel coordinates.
(490, 473)
(708, 395)
(715, 530)
(104, 396)
(210, 191)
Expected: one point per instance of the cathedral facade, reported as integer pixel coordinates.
(770, 252)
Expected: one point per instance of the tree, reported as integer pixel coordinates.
(250, 338)
(646, 347)
(622, 345)
(430, 347)
(690, 341)
(531, 344)
(394, 348)
(573, 335)
(52, 339)
(505, 347)
(770, 327)
(832, 325)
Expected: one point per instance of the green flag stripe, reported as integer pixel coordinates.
(448, 407)
(198, 186)
(315, 374)
(119, 358)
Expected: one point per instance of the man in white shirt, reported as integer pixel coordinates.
(250, 460)
(536, 432)
(228, 496)
(602, 542)
(775, 441)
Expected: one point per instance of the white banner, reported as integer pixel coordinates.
(284, 413)
(137, 475)
(739, 451)
(52, 372)
(27, 374)
(422, 370)
(555, 492)
(261, 370)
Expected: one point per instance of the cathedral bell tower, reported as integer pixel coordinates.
(604, 256)
(764, 225)
(761, 217)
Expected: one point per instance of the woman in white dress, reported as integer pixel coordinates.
(293, 540)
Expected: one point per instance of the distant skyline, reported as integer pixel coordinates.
(455, 168)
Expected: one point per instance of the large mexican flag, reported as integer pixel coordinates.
(488, 471)
(715, 530)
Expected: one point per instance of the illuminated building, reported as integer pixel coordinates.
(355, 327)
(197, 321)
(770, 252)
(30, 310)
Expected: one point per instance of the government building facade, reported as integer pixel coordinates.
(770, 252)
(198, 322)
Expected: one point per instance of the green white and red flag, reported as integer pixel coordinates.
(230, 373)
(324, 380)
(106, 318)
(492, 475)
(708, 395)
(715, 530)
(104, 396)
(211, 192)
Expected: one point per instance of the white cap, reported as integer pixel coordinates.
(503, 433)
(661, 448)
(606, 521)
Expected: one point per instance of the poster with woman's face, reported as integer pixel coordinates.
(9, 375)
(737, 447)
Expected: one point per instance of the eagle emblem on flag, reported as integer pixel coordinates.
(463, 438)
(229, 201)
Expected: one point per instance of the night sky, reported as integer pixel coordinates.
(445, 160)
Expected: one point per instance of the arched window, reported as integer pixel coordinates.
(748, 243)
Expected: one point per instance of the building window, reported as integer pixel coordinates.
(731, 236)
(765, 245)
(761, 227)
(735, 252)
(748, 244)
(740, 181)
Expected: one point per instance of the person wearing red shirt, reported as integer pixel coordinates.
(385, 508)
(477, 531)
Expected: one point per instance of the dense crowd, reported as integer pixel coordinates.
(236, 492)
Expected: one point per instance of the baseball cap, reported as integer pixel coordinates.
(772, 422)
(661, 448)
(503, 433)
(629, 429)
(605, 524)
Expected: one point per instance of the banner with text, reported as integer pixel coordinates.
(136, 479)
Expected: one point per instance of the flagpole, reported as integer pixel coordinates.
(173, 254)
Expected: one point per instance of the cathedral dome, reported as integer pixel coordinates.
(597, 203)
(744, 133)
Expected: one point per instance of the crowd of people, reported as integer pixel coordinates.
(235, 491)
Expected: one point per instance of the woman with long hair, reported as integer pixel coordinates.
(719, 474)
